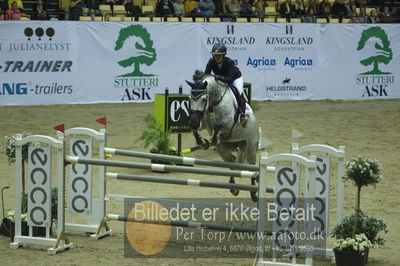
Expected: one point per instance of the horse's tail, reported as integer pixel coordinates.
(198, 75)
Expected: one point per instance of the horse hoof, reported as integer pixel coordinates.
(205, 144)
(254, 194)
(234, 192)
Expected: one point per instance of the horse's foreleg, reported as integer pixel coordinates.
(215, 137)
(251, 151)
(225, 151)
(204, 143)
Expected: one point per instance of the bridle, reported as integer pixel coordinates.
(210, 106)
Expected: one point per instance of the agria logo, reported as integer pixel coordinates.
(136, 84)
(375, 81)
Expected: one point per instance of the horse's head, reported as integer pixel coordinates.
(198, 103)
(205, 93)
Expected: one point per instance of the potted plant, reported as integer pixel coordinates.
(156, 137)
(361, 172)
(8, 223)
(9, 151)
(351, 251)
(368, 225)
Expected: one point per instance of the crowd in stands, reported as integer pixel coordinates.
(354, 11)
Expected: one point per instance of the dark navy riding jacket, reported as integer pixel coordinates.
(229, 71)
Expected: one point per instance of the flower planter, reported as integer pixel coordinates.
(349, 258)
(8, 229)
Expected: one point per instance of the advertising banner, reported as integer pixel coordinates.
(82, 62)
(38, 63)
(362, 62)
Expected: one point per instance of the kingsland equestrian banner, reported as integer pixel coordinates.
(89, 62)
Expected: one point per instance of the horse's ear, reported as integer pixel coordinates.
(190, 83)
(204, 85)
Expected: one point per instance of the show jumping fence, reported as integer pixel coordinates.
(81, 201)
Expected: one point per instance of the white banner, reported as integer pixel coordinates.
(86, 62)
(38, 63)
(362, 62)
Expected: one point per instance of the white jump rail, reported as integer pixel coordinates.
(39, 192)
(279, 187)
(81, 142)
(323, 175)
(184, 160)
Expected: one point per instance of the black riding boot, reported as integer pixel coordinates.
(242, 110)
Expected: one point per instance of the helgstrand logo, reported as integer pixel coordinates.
(375, 82)
(136, 84)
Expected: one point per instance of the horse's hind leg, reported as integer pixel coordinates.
(225, 151)
(251, 151)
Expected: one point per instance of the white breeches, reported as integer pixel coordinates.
(238, 83)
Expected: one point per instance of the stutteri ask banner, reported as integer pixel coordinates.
(89, 62)
(362, 62)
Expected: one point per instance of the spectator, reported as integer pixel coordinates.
(233, 8)
(2, 17)
(220, 7)
(179, 8)
(350, 7)
(360, 3)
(246, 9)
(94, 8)
(255, 3)
(15, 13)
(259, 12)
(352, 19)
(310, 17)
(298, 8)
(362, 16)
(131, 9)
(314, 5)
(386, 17)
(3, 5)
(286, 9)
(39, 10)
(165, 9)
(19, 2)
(190, 7)
(325, 9)
(386, 12)
(75, 9)
(373, 17)
(338, 9)
(207, 8)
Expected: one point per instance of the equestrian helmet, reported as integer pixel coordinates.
(218, 48)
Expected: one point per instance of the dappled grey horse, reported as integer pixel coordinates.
(213, 107)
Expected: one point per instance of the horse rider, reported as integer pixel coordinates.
(225, 70)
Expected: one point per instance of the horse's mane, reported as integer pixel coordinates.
(198, 75)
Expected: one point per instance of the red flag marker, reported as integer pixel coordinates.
(60, 128)
(102, 121)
